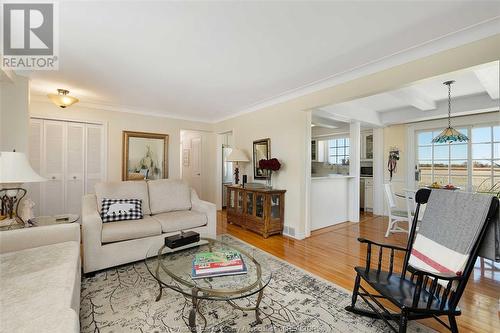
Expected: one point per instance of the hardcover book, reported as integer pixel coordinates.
(212, 264)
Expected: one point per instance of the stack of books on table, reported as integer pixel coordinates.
(212, 264)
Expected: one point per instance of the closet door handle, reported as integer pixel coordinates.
(74, 177)
(53, 177)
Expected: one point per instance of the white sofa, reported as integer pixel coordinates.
(40, 279)
(168, 207)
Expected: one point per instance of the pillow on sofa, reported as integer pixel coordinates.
(123, 190)
(167, 195)
(121, 209)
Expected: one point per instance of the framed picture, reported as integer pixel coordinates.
(145, 156)
(261, 150)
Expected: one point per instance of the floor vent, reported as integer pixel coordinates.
(289, 230)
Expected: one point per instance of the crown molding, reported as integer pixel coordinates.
(458, 38)
(95, 105)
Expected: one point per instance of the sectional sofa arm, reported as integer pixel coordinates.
(208, 208)
(27, 238)
(91, 221)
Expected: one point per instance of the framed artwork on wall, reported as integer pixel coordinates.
(145, 156)
(261, 150)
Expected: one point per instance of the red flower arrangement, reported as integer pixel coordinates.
(272, 164)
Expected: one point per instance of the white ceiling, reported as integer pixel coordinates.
(475, 90)
(211, 60)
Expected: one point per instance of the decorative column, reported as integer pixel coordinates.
(354, 168)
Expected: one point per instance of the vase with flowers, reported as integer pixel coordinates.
(270, 165)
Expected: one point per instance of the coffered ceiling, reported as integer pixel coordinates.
(475, 90)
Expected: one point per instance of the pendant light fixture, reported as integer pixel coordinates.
(62, 99)
(449, 134)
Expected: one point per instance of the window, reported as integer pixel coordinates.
(485, 144)
(338, 151)
(473, 165)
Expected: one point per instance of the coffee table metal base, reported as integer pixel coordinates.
(195, 301)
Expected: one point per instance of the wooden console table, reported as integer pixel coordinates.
(258, 209)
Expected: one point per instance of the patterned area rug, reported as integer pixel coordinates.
(123, 300)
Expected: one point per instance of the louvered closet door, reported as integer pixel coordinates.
(75, 167)
(94, 157)
(54, 157)
(35, 157)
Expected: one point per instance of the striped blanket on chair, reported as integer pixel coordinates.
(450, 226)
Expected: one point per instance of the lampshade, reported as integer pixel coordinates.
(237, 155)
(15, 169)
(449, 134)
(62, 99)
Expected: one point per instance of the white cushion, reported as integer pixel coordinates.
(38, 287)
(134, 189)
(125, 230)
(167, 195)
(180, 220)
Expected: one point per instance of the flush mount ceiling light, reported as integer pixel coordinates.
(62, 99)
(449, 134)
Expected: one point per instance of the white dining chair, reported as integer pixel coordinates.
(395, 215)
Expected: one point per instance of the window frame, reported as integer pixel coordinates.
(469, 153)
(347, 144)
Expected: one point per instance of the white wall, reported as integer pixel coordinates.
(14, 114)
(116, 122)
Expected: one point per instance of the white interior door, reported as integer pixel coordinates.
(53, 197)
(35, 152)
(196, 174)
(75, 164)
(95, 159)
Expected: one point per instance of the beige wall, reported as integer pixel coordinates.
(287, 128)
(14, 101)
(116, 122)
(395, 136)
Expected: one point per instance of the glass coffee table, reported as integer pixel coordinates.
(172, 269)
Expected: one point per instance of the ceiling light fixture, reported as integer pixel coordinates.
(449, 134)
(62, 99)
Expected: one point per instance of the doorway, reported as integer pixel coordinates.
(224, 168)
(191, 160)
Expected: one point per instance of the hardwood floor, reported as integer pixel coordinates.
(331, 253)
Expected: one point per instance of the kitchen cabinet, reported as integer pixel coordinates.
(368, 194)
(318, 150)
(367, 146)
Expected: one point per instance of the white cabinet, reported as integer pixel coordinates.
(75, 163)
(318, 152)
(368, 194)
(366, 146)
(53, 168)
(35, 156)
(70, 155)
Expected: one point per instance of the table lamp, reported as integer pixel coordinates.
(237, 156)
(15, 170)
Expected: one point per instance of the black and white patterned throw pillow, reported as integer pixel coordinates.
(121, 209)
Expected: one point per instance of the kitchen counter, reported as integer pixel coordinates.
(330, 177)
(329, 200)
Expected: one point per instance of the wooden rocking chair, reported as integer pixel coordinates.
(417, 293)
